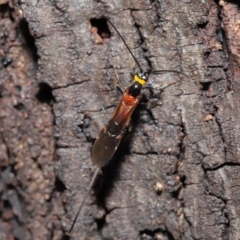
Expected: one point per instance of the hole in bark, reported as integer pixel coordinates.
(6, 61)
(101, 27)
(44, 94)
(29, 40)
(206, 55)
(6, 204)
(234, 2)
(205, 86)
(6, 11)
(65, 237)
(202, 25)
(20, 106)
(155, 234)
(183, 180)
(59, 185)
(220, 35)
(4, 8)
(146, 234)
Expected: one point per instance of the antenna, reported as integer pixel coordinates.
(135, 59)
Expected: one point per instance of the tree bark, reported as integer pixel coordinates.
(175, 175)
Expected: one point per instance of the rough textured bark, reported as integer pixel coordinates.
(175, 177)
(27, 180)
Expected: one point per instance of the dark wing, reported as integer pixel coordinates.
(104, 148)
(110, 136)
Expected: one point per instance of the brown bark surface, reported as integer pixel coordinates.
(175, 175)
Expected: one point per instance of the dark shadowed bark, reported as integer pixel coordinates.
(175, 174)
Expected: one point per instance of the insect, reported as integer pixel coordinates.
(110, 136)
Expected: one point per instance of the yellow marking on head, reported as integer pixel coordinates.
(139, 80)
